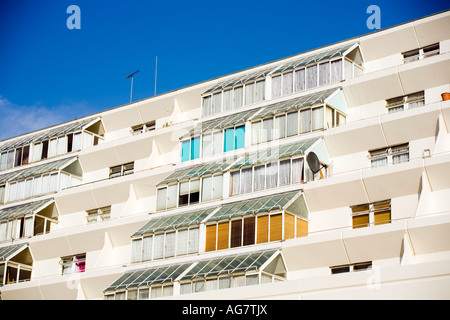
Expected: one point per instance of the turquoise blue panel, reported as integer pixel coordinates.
(229, 140)
(195, 148)
(185, 147)
(239, 137)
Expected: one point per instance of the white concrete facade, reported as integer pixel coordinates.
(405, 257)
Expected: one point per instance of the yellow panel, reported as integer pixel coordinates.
(302, 228)
(223, 235)
(276, 225)
(210, 238)
(262, 234)
(289, 226)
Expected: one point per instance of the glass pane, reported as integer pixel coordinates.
(246, 180)
(229, 139)
(272, 175)
(193, 241)
(195, 148)
(206, 188)
(217, 103)
(311, 77)
(324, 73)
(260, 175)
(276, 86)
(287, 83)
(299, 80)
(260, 88)
(217, 190)
(217, 142)
(336, 70)
(305, 116)
(207, 105)
(280, 127)
(239, 137)
(292, 124)
(207, 145)
(234, 183)
(172, 196)
(238, 97)
(249, 93)
(267, 130)
(185, 148)
(256, 132)
(317, 118)
(227, 100)
(285, 172)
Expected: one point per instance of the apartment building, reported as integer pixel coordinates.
(323, 175)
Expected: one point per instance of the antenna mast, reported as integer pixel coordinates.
(156, 73)
(131, 76)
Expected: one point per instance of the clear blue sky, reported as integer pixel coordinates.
(50, 74)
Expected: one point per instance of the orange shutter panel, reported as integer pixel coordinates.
(302, 228)
(262, 234)
(210, 238)
(276, 226)
(223, 235)
(360, 221)
(382, 217)
(249, 231)
(289, 226)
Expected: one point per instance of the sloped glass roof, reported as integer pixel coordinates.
(209, 267)
(297, 103)
(20, 141)
(9, 251)
(196, 171)
(23, 209)
(253, 206)
(267, 155)
(146, 277)
(315, 57)
(229, 265)
(175, 221)
(35, 170)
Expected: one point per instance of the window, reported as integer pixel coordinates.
(212, 187)
(73, 264)
(234, 138)
(121, 170)
(141, 128)
(98, 215)
(212, 143)
(390, 155)
(289, 124)
(165, 244)
(34, 186)
(189, 192)
(190, 149)
(410, 101)
(362, 266)
(230, 99)
(376, 213)
(267, 176)
(249, 230)
(421, 53)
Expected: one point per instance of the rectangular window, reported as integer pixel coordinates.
(260, 90)
(234, 138)
(236, 233)
(207, 106)
(287, 83)
(305, 123)
(276, 86)
(217, 103)
(336, 70)
(292, 124)
(121, 170)
(249, 93)
(285, 172)
(371, 214)
(189, 192)
(317, 118)
(227, 100)
(73, 264)
(259, 178)
(238, 97)
(311, 76)
(390, 155)
(249, 231)
(280, 127)
(410, 101)
(190, 149)
(212, 187)
(299, 80)
(267, 130)
(235, 182)
(246, 180)
(324, 73)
